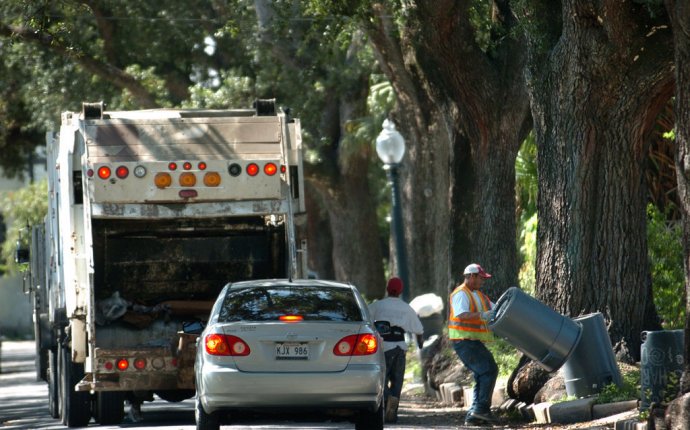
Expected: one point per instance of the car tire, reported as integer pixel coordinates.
(205, 421)
(75, 407)
(370, 420)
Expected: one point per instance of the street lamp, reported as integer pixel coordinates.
(390, 147)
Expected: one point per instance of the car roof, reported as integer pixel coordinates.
(283, 282)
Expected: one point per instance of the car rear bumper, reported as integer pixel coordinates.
(357, 387)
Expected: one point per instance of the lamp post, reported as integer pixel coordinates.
(390, 147)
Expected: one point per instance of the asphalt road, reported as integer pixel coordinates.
(23, 405)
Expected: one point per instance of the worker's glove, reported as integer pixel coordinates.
(486, 315)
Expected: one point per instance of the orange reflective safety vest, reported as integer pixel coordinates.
(471, 329)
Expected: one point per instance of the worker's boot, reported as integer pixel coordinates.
(392, 409)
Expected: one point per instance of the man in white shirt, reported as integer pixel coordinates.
(403, 319)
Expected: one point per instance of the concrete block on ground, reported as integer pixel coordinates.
(451, 393)
(541, 412)
(630, 425)
(455, 395)
(608, 409)
(573, 411)
(497, 398)
(508, 405)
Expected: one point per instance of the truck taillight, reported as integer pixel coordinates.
(122, 172)
(212, 179)
(187, 179)
(122, 364)
(202, 165)
(139, 363)
(252, 169)
(172, 165)
(104, 172)
(162, 180)
(270, 169)
(187, 165)
(140, 171)
(234, 169)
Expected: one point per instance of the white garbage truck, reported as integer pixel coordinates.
(151, 213)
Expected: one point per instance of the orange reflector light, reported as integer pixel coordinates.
(202, 165)
(162, 180)
(252, 169)
(122, 364)
(187, 165)
(122, 172)
(212, 179)
(104, 172)
(291, 318)
(270, 169)
(139, 363)
(187, 179)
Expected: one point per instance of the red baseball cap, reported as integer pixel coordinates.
(395, 286)
(476, 269)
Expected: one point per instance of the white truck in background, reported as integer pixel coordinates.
(150, 214)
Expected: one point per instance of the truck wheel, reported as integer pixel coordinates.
(109, 407)
(205, 421)
(53, 386)
(75, 406)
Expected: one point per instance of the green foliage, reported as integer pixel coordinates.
(505, 355)
(22, 208)
(528, 251)
(526, 186)
(666, 264)
(628, 390)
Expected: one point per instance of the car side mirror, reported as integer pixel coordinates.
(21, 254)
(383, 327)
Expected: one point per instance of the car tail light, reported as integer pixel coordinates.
(187, 179)
(252, 169)
(270, 169)
(356, 344)
(162, 180)
(212, 179)
(291, 318)
(219, 344)
(104, 172)
(122, 172)
(122, 364)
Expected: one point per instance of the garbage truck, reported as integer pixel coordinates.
(151, 213)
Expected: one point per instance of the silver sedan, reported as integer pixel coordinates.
(290, 345)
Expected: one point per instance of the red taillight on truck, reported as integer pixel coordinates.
(252, 169)
(270, 169)
(122, 364)
(220, 344)
(356, 344)
(104, 172)
(122, 172)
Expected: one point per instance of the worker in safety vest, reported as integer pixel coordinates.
(470, 311)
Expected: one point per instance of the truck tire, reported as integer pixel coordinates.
(205, 421)
(53, 386)
(109, 407)
(75, 406)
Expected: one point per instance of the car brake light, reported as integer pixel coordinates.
(356, 344)
(291, 318)
(270, 169)
(252, 169)
(219, 344)
(104, 172)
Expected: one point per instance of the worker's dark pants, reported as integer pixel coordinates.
(395, 371)
(480, 361)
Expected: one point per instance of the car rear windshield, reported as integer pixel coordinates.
(312, 303)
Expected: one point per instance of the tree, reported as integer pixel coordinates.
(462, 107)
(598, 74)
(679, 12)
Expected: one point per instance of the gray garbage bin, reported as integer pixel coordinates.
(592, 365)
(661, 366)
(541, 333)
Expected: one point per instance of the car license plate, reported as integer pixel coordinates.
(292, 351)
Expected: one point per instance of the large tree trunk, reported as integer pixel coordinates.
(464, 112)
(679, 11)
(595, 93)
